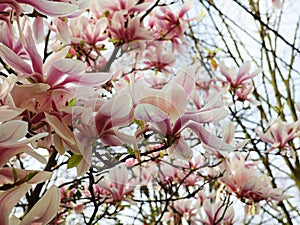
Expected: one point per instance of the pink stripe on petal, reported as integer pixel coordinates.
(14, 61)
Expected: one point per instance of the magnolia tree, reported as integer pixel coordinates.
(126, 112)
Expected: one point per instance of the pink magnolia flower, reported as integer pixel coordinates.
(279, 133)
(110, 7)
(216, 213)
(239, 82)
(123, 30)
(277, 4)
(241, 179)
(171, 128)
(113, 114)
(240, 78)
(158, 59)
(56, 71)
(116, 184)
(187, 210)
(169, 25)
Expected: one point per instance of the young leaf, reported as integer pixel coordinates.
(74, 161)
(15, 175)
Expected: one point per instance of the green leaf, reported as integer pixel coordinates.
(15, 175)
(74, 161)
(130, 151)
(26, 178)
(30, 176)
(72, 102)
(140, 123)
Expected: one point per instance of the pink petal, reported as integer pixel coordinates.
(6, 154)
(8, 199)
(51, 8)
(182, 150)
(224, 71)
(7, 85)
(13, 60)
(115, 112)
(54, 57)
(63, 30)
(85, 163)
(209, 139)
(228, 132)
(60, 128)
(186, 7)
(119, 177)
(159, 119)
(7, 174)
(277, 4)
(38, 29)
(265, 137)
(185, 78)
(45, 209)
(242, 74)
(62, 67)
(89, 79)
(13, 131)
(8, 114)
(36, 60)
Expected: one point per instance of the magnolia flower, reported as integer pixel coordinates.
(186, 210)
(57, 71)
(125, 31)
(113, 114)
(116, 184)
(242, 180)
(170, 25)
(159, 60)
(170, 128)
(216, 213)
(164, 110)
(237, 79)
(277, 4)
(126, 7)
(279, 133)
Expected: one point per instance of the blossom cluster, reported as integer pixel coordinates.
(80, 77)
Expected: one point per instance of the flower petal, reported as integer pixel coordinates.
(45, 209)
(8, 199)
(51, 8)
(209, 139)
(14, 61)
